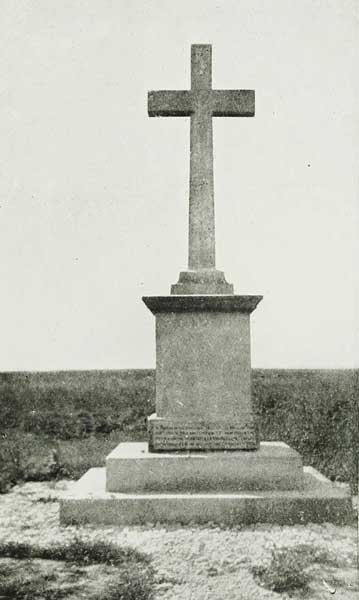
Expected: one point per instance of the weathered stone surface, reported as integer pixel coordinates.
(319, 502)
(239, 433)
(203, 366)
(132, 468)
(201, 103)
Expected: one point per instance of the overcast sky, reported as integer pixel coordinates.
(94, 194)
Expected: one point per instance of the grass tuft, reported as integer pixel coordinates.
(78, 551)
(25, 584)
(289, 567)
(131, 584)
(47, 499)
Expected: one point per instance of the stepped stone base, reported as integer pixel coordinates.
(131, 468)
(319, 501)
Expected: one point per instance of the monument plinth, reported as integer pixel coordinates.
(203, 460)
(203, 373)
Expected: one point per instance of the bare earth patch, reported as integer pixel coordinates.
(197, 563)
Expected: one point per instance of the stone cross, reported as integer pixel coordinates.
(201, 103)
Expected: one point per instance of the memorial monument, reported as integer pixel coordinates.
(203, 395)
(204, 460)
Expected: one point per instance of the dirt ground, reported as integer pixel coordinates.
(191, 563)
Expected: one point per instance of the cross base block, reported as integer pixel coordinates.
(203, 281)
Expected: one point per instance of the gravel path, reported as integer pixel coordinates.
(192, 563)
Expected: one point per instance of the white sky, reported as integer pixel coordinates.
(94, 194)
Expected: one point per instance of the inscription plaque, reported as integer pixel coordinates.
(168, 435)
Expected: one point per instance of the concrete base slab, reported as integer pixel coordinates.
(131, 468)
(319, 501)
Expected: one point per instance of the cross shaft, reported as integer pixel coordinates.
(201, 103)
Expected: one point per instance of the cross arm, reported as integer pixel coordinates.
(233, 103)
(169, 103)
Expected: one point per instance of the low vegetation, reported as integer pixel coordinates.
(315, 412)
(290, 569)
(78, 551)
(129, 574)
(25, 582)
(58, 425)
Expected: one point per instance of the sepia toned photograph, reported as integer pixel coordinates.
(179, 355)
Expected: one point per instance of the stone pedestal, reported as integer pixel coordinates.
(204, 462)
(203, 373)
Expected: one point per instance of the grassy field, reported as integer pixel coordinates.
(59, 424)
